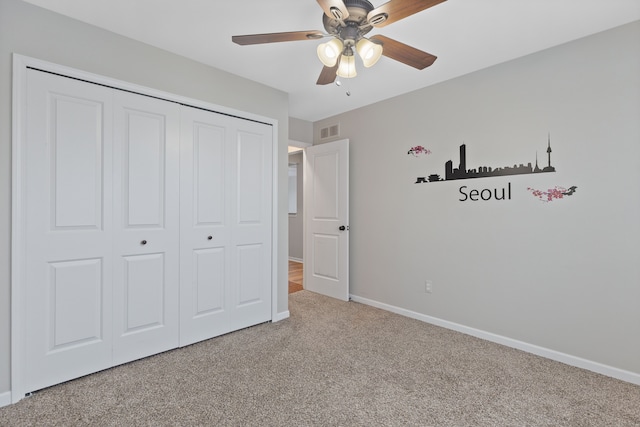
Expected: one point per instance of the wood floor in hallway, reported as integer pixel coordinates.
(295, 276)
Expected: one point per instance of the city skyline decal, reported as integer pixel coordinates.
(461, 172)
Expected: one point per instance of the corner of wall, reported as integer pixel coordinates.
(5, 399)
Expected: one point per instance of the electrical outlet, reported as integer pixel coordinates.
(428, 286)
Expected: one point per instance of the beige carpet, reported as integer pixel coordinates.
(336, 364)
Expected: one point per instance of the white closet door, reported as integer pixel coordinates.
(68, 262)
(118, 264)
(250, 283)
(205, 235)
(146, 226)
(226, 167)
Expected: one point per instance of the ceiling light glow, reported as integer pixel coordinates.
(369, 51)
(347, 67)
(329, 52)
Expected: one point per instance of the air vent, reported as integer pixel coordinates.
(330, 132)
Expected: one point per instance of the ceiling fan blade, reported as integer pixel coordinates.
(404, 53)
(334, 9)
(396, 10)
(327, 75)
(277, 37)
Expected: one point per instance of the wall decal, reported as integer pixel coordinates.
(461, 172)
(418, 150)
(553, 193)
(485, 194)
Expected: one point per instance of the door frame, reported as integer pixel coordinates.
(18, 226)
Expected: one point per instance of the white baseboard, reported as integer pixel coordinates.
(5, 399)
(295, 259)
(567, 359)
(281, 316)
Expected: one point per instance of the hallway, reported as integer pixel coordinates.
(295, 276)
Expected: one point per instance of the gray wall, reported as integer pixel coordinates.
(300, 130)
(32, 31)
(296, 224)
(563, 275)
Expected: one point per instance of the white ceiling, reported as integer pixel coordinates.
(466, 35)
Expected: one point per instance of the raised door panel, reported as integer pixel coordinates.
(209, 268)
(325, 250)
(68, 259)
(205, 166)
(251, 149)
(249, 274)
(145, 149)
(144, 290)
(146, 223)
(324, 194)
(209, 168)
(76, 166)
(75, 303)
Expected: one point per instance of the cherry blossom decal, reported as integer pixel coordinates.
(552, 193)
(418, 150)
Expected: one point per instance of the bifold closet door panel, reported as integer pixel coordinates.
(146, 226)
(67, 193)
(205, 231)
(251, 211)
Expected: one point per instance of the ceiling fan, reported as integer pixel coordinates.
(347, 22)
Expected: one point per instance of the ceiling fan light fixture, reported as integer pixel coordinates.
(347, 67)
(369, 51)
(329, 52)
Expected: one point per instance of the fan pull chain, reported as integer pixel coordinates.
(347, 92)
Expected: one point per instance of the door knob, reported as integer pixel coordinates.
(342, 228)
(144, 242)
(210, 238)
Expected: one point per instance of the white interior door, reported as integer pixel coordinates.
(326, 211)
(146, 225)
(226, 210)
(68, 239)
